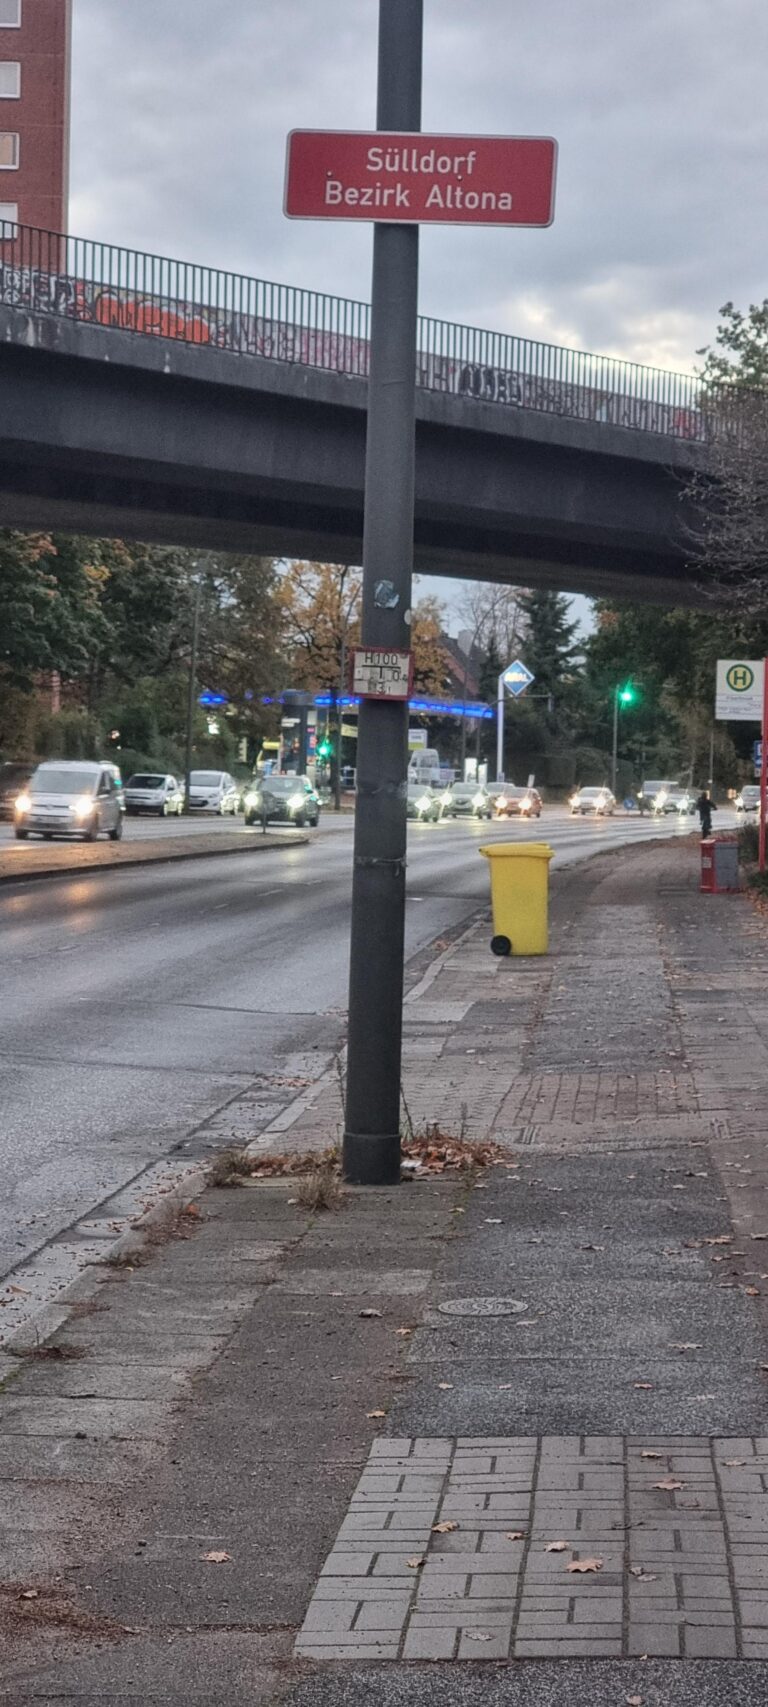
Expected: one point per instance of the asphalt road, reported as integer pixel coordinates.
(138, 1003)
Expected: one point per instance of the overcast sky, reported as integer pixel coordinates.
(180, 113)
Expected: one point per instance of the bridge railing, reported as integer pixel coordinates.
(77, 278)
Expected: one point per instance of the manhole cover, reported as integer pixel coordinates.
(482, 1307)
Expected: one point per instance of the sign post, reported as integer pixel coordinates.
(741, 696)
(763, 751)
(372, 1113)
(515, 679)
(399, 179)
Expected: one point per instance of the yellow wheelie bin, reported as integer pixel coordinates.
(519, 896)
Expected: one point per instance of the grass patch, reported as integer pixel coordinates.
(231, 1167)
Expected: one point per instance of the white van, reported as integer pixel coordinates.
(424, 767)
(70, 797)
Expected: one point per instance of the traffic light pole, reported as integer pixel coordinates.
(372, 1113)
(615, 748)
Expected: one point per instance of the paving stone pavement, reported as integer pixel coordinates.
(549, 1548)
(625, 1078)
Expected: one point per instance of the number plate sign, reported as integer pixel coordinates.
(378, 673)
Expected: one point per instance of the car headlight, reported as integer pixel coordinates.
(22, 803)
(253, 799)
(660, 799)
(574, 800)
(424, 803)
(445, 799)
(478, 800)
(83, 807)
(525, 806)
(295, 802)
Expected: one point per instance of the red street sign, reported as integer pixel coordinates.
(402, 178)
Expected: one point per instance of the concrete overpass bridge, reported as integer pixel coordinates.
(149, 398)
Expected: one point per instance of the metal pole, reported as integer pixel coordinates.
(763, 768)
(192, 690)
(615, 754)
(500, 730)
(711, 781)
(372, 1114)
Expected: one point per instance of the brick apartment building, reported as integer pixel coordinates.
(35, 37)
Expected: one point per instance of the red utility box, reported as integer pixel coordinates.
(719, 867)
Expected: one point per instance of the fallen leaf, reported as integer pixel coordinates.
(582, 1565)
(685, 1345)
(30, 1594)
(752, 1291)
(216, 1558)
(445, 1386)
(444, 1528)
(516, 1535)
(669, 1485)
(415, 1564)
(734, 1463)
(643, 1386)
(375, 1414)
(403, 1333)
(557, 1547)
(493, 1221)
(651, 1454)
(758, 1236)
(641, 1575)
(370, 1312)
(634, 1700)
(719, 1239)
(477, 1636)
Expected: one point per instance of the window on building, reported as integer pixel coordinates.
(10, 80)
(9, 215)
(10, 14)
(9, 150)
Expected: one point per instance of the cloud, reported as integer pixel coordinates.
(180, 116)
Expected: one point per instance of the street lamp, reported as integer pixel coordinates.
(621, 696)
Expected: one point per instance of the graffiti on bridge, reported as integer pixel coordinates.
(277, 339)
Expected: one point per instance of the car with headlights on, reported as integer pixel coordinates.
(282, 800)
(749, 799)
(423, 804)
(14, 779)
(466, 800)
(599, 801)
(670, 800)
(70, 798)
(515, 802)
(153, 791)
(213, 791)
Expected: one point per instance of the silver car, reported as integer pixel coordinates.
(70, 798)
(600, 801)
(153, 791)
(213, 791)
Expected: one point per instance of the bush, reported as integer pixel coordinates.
(748, 844)
(69, 735)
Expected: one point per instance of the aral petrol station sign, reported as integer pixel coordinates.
(395, 177)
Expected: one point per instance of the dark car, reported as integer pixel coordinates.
(14, 779)
(422, 803)
(282, 800)
(518, 802)
(466, 800)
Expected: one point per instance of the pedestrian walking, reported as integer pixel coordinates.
(705, 806)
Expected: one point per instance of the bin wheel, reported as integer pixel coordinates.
(501, 945)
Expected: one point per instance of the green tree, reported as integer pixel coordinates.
(550, 649)
(50, 609)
